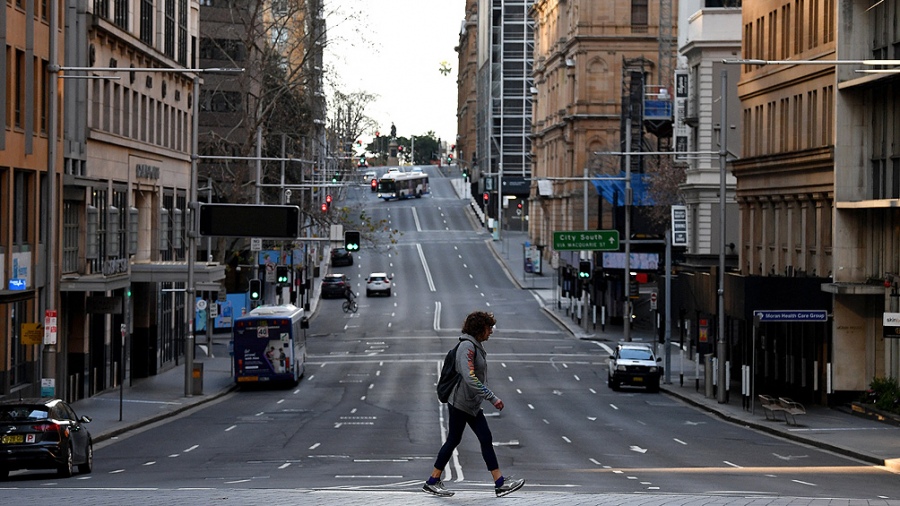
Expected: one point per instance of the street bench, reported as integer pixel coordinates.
(791, 408)
(771, 406)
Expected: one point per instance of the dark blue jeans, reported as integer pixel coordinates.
(458, 421)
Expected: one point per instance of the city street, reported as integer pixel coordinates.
(364, 425)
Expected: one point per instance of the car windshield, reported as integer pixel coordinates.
(376, 278)
(635, 354)
(23, 413)
(336, 279)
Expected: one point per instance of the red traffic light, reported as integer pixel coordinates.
(328, 198)
(486, 197)
(400, 148)
(324, 207)
(374, 183)
(377, 133)
(519, 205)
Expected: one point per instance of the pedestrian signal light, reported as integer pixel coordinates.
(255, 289)
(351, 240)
(584, 269)
(282, 273)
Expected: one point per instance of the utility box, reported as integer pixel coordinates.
(197, 379)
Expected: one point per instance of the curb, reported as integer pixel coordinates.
(784, 435)
(103, 436)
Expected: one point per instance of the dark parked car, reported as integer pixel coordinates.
(334, 285)
(43, 434)
(340, 256)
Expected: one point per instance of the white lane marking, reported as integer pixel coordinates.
(679, 441)
(614, 407)
(229, 429)
(425, 266)
(594, 461)
(638, 449)
(192, 448)
(313, 447)
(149, 463)
(416, 219)
(567, 440)
(530, 407)
(732, 464)
(437, 316)
(117, 471)
(805, 483)
(286, 464)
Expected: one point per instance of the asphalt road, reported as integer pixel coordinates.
(365, 417)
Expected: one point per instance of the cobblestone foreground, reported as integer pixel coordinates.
(181, 497)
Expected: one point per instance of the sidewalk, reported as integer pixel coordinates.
(148, 400)
(832, 429)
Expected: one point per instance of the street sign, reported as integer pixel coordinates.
(679, 226)
(32, 333)
(16, 284)
(50, 330)
(789, 315)
(891, 324)
(653, 301)
(586, 240)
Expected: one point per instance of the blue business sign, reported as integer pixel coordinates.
(788, 315)
(17, 284)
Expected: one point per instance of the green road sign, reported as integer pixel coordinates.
(586, 240)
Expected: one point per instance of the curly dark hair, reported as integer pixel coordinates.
(477, 322)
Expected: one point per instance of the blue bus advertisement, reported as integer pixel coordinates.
(269, 345)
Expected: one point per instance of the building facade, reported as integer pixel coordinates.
(786, 191)
(595, 67)
(466, 109)
(28, 256)
(505, 47)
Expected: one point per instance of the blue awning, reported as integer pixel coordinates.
(613, 191)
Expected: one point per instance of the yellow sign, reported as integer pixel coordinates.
(32, 333)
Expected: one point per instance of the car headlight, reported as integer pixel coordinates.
(621, 368)
(653, 369)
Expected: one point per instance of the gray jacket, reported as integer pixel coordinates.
(471, 363)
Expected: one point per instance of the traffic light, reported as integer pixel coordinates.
(584, 269)
(255, 289)
(324, 207)
(374, 184)
(486, 197)
(450, 158)
(351, 240)
(282, 275)
(328, 199)
(400, 148)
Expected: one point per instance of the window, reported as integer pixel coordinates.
(19, 100)
(22, 197)
(17, 360)
(70, 237)
(147, 22)
(182, 31)
(169, 29)
(121, 15)
(639, 13)
(101, 8)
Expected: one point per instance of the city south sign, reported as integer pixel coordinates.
(586, 240)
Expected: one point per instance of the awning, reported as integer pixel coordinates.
(613, 191)
(153, 272)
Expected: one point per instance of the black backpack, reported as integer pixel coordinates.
(449, 375)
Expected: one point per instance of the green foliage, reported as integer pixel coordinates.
(885, 394)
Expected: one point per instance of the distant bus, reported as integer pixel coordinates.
(269, 345)
(403, 185)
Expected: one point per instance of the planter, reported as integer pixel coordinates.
(873, 413)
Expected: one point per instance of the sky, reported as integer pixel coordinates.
(394, 49)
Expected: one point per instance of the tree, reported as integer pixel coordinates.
(272, 113)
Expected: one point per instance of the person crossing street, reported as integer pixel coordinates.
(464, 407)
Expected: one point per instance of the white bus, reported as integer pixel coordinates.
(269, 345)
(403, 185)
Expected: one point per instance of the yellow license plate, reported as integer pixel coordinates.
(638, 379)
(18, 438)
